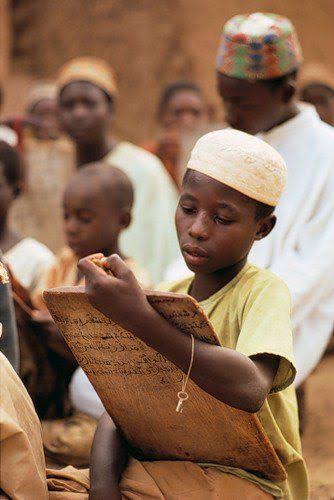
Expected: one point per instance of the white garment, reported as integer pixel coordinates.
(28, 260)
(177, 270)
(83, 395)
(300, 249)
(151, 239)
(8, 135)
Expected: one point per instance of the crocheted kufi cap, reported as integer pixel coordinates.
(258, 46)
(242, 162)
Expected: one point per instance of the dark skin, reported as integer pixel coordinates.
(322, 98)
(44, 117)
(8, 193)
(85, 113)
(254, 106)
(185, 113)
(87, 207)
(216, 227)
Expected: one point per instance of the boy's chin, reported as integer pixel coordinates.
(79, 251)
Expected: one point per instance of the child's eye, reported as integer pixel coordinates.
(221, 220)
(188, 210)
(86, 219)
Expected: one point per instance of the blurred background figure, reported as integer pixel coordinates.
(26, 257)
(182, 114)
(87, 96)
(48, 161)
(7, 134)
(41, 111)
(316, 84)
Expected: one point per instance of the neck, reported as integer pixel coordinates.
(95, 151)
(8, 238)
(290, 112)
(205, 285)
(112, 250)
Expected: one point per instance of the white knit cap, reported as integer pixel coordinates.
(242, 162)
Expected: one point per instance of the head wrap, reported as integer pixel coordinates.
(88, 69)
(242, 162)
(258, 47)
(316, 73)
(39, 92)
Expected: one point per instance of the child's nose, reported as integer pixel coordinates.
(199, 228)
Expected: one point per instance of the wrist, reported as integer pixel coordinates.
(142, 322)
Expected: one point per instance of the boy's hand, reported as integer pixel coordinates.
(118, 296)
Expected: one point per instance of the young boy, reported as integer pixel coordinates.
(230, 189)
(87, 95)
(182, 112)
(97, 208)
(316, 86)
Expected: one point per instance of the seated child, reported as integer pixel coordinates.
(27, 258)
(97, 208)
(230, 189)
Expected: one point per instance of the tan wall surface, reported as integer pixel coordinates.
(149, 42)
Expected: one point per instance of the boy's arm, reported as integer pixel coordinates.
(226, 374)
(107, 461)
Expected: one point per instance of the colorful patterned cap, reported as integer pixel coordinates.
(88, 69)
(258, 47)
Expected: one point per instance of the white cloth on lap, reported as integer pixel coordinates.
(83, 396)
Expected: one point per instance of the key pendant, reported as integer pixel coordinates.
(183, 396)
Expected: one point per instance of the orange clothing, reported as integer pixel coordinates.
(64, 272)
(172, 169)
(25, 477)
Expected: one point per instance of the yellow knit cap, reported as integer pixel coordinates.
(88, 69)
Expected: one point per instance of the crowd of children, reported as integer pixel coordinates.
(245, 227)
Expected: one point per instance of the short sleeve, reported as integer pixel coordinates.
(266, 328)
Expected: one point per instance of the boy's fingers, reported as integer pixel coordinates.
(117, 266)
(88, 268)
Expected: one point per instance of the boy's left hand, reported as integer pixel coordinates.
(119, 297)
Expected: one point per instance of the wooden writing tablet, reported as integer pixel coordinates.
(139, 387)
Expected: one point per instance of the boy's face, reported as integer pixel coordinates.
(46, 113)
(323, 100)
(216, 224)
(7, 194)
(84, 112)
(92, 220)
(250, 106)
(186, 111)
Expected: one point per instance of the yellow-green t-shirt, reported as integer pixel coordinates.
(251, 314)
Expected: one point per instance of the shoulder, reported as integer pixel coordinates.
(179, 286)
(263, 283)
(138, 155)
(36, 250)
(324, 138)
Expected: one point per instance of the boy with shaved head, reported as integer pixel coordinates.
(97, 207)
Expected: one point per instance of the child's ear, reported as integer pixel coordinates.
(18, 189)
(289, 89)
(265, 227)
(125, 219)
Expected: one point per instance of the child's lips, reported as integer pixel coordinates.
(194, 256)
